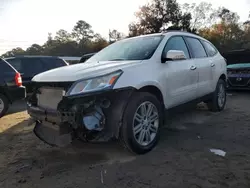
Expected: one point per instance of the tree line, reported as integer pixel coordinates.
(221, 26)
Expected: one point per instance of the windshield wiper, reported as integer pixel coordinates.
(118, 59)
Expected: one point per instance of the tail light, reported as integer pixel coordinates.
(18, 79)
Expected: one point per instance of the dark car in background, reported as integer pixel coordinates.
(85, 57)
(238, 69)
(29, 66)
(11, 88)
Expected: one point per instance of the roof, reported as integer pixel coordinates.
(178, 31)
(89, 54)
(69, 58)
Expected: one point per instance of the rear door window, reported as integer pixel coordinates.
(29, 67)
(16, 63)
(33, 66)
(52, 63)
(196, 47)
(210, 49)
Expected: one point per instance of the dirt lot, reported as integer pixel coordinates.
(182, 158)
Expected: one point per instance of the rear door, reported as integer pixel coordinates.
(214, 62)
(203, 64)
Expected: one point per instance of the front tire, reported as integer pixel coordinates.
(142, 119)
(4, 105)
(219, 98)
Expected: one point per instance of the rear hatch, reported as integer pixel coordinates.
(31, 66)
(9, 76)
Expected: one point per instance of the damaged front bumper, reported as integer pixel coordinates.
(91, 117)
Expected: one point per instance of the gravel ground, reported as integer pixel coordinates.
(181, 159)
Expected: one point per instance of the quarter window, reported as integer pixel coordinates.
(32, 66)
(52, 63)
(176, 43)
(196, 47)
(5, 67)
(16, 63)
(211, 51)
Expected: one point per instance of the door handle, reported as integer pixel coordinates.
(193, 67)
(212, 64)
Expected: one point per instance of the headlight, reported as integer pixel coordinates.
(94, 84)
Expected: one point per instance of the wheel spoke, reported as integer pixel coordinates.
(137, 129)
(153, 129)
(1, 105)
(138, 117)
(148, 137)
(153, 118)
(143, 110)
(141, 137)
(150, 110)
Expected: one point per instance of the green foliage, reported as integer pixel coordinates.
(115, 35)
(82, 31)
(159, 15)
(228, 33)
(81, 40)
(221, 26)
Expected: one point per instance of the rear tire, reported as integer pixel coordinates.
(219, 98)
(142, 119)
(4, 105)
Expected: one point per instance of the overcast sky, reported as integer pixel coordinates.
(24, 22)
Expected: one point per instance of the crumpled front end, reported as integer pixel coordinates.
(90, 117)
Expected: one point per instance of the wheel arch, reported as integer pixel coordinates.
(154, 91)
(223, 77)
(3, 92)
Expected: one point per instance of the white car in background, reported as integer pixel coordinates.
(122, 91)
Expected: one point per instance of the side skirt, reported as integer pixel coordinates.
(185, 106)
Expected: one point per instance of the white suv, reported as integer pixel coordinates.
(122, 91)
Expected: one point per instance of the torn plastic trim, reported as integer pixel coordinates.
(53, 134)
(51, 116)
(72, 111)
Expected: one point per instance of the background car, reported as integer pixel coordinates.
(29, 66)
(238, 69)
(11, 88)
(85, 57)
(71, 60)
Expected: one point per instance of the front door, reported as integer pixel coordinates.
(181, 75)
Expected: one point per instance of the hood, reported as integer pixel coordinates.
(82, 71)
(239, 66)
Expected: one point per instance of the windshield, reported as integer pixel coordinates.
(138, 48)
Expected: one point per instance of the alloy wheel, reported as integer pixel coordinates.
(1, 105)
(145, 123)
(221, 95)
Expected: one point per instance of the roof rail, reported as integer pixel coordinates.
(175, 30)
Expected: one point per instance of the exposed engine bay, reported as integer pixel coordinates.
(60, 119)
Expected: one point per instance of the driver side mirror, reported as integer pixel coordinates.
(173, 55)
